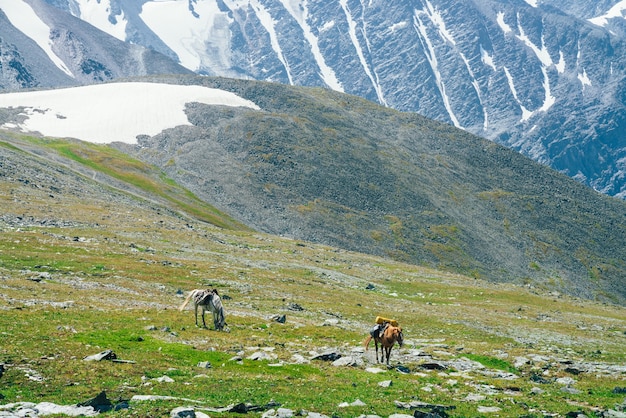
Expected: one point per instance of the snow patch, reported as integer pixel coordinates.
(270, 26)
(437, 20)
(352, 30)
(560, 66)
(398, 26)
(486, 58)
(584, 78)
(191, 34)
(24, 18)
(298, 9)
(112, 112)
(533, 3)
(97, 13)
(434, 64)
(546, 61)
(503, 25)
(526, 114)
(617, 11)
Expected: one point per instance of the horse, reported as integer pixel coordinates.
(208, 300)
(390, 336)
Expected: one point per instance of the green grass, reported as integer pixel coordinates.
(117, 288)
(493, 363)
(114, 163)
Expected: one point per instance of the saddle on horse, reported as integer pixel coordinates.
(381, 325)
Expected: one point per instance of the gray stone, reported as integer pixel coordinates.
(183, 412)
(385, 383)
(104, 355)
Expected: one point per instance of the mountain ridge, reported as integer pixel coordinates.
(544, 78)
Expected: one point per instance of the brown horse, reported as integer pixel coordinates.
(390, 336)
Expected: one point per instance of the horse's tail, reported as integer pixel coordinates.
(186, 301)
(366, 343)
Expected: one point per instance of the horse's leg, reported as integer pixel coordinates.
(195, 307)
(381, 351)
(388, 350)
(203, 323)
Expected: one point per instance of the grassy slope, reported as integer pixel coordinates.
(115, 263)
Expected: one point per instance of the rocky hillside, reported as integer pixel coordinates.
(339, 170)
(98, 250)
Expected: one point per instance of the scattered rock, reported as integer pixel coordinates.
(573, 370)
(420, 414)
(565, 381)
(357, 402)
(327, 356)
(30, 409)
(205, 365)
(281, 319)
(244, 408)
(314, 415)
(385, 383)
(614, 414)
(299, 359)
(294, 307)
(187, 412)
(488, 409)
(183, 412)
(475, 397)
(278, 413)
(433, 410)
(538, 379)
(104, 355)
(570, 390)
(348, 361)
(261, 355)
(99, 403)
(433, 365)
(403, 369)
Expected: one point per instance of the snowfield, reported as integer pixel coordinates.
(115, 112)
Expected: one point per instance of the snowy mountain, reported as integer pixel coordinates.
(544, 77)
(42, 46)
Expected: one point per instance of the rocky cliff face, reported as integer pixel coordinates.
(543, 77)
(73, 53)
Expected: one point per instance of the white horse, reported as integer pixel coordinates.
(208, 300)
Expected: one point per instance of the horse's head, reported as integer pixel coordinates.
(399, 336)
